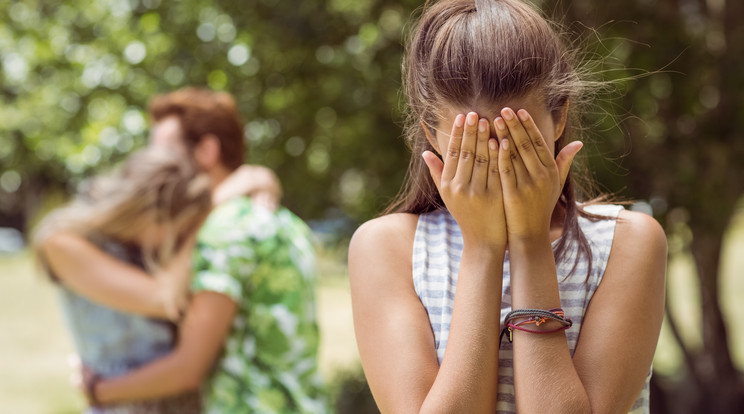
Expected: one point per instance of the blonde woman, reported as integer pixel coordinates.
(143, 214)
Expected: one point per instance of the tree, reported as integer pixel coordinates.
(316, 81)
(687, 144)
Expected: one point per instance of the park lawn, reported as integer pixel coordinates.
(34, 345)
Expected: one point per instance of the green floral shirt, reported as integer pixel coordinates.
(265, 262)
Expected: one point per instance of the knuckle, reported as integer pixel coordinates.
(453, 153)
(466, 154)
(481, 160)
(513, 155)
(506, 170)
(494, 169)
(538, 143)
(525, 145)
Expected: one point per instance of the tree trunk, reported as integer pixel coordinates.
(723, 390)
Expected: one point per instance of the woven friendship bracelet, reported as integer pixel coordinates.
(536, 316)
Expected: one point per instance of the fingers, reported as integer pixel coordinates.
(470, 160)
(513, 166)
(522, 143)
(452, 156)
(481, 160)
(538, 141)
(467, 149)
(508, 178)
(267, 200)
(565, 158)
(494, 179)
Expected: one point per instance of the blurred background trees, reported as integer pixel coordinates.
(683, 150)
(318, 85)
(317, 82)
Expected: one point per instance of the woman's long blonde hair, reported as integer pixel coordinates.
(152, 187)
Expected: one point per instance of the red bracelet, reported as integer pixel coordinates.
(511, 327)
(536, 316)
(539, 320)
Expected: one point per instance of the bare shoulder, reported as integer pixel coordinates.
(382, 246)
(384, 234)
(639, 249)
(640, 232)
(398, 225)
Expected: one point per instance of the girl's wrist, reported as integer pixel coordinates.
(528, 242)
(484, 251)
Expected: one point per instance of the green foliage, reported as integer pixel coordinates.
(316, 81)
(679, 139)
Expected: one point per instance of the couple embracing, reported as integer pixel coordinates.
(182, 294)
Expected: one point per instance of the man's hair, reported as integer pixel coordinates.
(202, 112)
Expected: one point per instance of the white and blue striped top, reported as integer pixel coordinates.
(437, 249)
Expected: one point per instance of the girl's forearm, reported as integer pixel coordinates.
(467, 378)
(541, 361)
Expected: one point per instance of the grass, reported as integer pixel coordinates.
(34, 345)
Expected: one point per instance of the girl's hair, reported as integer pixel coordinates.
(153, 187)
(476, 54)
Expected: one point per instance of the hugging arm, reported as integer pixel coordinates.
(392, 327)
(258, 182)
(102, 278)
(621, 324)
(201, 338)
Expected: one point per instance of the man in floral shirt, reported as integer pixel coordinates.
(265, 263)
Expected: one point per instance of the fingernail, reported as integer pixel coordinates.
(523, 115)
(472, 118)
(460, 120)
(492, 144)
(507, 113)
(482, 125)
(500, 124)
(505, 144)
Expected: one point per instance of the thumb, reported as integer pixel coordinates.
(565, 158)
(436, 166)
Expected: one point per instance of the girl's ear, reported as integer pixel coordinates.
(430, 138)
(560, 124)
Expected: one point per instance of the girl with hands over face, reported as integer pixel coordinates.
(487, 236)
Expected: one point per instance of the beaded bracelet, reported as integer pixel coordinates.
(536, 316)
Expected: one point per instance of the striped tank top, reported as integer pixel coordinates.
(437, 249)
